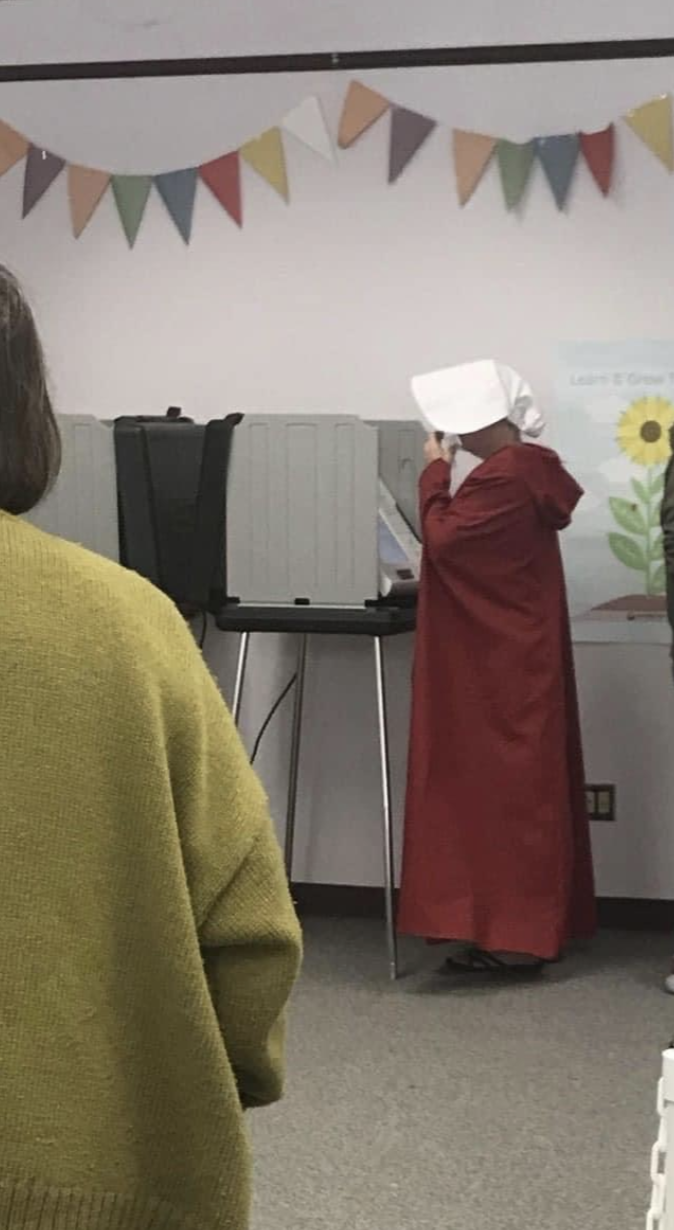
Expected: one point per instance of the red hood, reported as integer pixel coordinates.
(554, 490)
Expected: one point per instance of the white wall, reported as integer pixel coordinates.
(57, 30)
(330, 304)
(81, 30)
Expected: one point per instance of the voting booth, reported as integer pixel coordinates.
(82, 505)
(401, 463)
(299, 510)
(320, 540)
(301, 524)
(322, 511)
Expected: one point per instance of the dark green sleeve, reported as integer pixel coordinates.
(667, 519)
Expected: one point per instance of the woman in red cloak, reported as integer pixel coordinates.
(497, 849)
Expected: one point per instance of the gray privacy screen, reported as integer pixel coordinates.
(82, 506)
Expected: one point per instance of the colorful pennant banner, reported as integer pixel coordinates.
(473, 153)
(87, 186)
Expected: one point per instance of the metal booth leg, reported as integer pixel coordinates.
(295, 753)
(242, 659)
(389, 872)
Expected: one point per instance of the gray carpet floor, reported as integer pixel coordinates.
(440, 1104)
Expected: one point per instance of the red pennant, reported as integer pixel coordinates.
(223, 177)
(598, 150)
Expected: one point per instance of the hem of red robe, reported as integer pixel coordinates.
(548, 944)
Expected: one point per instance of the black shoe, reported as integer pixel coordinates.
(475, 961)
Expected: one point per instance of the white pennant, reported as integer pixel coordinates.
(307, 123)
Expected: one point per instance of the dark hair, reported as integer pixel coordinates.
(30, 445)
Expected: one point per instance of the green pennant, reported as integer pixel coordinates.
(515, 162)
(131, 193)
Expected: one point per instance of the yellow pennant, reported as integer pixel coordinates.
(266, 156)
(653, 124)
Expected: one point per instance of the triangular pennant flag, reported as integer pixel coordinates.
(41, 171)
(472, 155)
(131, 193)
(653, 123)
(409, 130)
(86, 188)
(515, 162)
(362, 108)
(307, 123)
(13, 147)
(177, 190)
(265, 155)
(558, 157)
(598, 150)
(223, 177)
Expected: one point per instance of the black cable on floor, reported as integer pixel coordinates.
(201, 639)
(274, 709)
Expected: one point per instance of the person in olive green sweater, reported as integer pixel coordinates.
(148, 939)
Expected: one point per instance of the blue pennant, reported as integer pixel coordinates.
(558, 157)
(177, 190)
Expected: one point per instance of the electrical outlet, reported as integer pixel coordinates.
(600, 803)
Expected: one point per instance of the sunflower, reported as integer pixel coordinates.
(643, 430)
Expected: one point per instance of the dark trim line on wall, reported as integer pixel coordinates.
(354, 901)
(346, 61)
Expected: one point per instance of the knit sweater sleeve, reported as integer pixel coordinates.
(251, 951)
(246, 923)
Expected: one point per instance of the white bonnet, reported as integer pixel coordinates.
(467, 398)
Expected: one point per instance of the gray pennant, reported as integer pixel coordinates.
(409, 130)
(558, 157)
(41, 171)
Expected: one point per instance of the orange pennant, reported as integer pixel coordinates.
(85, 191)
(362, 108)
(13, 147)
(472, 155)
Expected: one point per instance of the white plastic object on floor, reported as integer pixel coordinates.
(669, 984)
(661, 1212)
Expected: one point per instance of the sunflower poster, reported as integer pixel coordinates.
(614, 417)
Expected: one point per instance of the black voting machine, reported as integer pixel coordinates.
(173, 485)
(172, 505)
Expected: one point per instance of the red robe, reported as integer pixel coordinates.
(497, 846)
